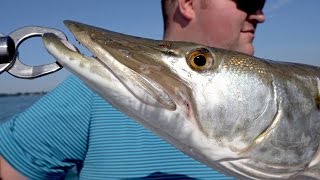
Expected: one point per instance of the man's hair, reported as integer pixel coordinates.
(167, 10)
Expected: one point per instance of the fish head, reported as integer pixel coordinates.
(206, 101)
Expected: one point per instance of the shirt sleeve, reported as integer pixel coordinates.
(50, 137)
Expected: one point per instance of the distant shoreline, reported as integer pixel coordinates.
(22, 94)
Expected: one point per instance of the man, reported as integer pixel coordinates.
(72, 126)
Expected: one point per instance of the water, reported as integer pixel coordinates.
(11, 105)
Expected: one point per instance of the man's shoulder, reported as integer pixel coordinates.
(74, 83)
(72, 86)
(71, 93)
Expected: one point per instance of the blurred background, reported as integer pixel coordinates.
(290, 33)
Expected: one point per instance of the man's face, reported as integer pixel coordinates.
(228, 24)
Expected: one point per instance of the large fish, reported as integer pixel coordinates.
(244, 116)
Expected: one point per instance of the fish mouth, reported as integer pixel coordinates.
(135, 62)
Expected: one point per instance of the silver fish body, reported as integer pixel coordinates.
(244, 116)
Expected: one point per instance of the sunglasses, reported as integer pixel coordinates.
(250, 6)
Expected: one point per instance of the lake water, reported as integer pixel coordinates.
(11, 105)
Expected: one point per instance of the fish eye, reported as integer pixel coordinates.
(200, 59)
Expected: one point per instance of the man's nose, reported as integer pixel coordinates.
(258, 16)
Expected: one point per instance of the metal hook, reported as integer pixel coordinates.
(20, 70)
(7, 52)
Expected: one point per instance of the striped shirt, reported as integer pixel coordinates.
(74, 127)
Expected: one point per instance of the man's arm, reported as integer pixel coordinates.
(7, 172)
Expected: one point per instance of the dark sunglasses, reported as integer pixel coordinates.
(250, 6)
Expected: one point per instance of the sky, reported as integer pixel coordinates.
(290, 32)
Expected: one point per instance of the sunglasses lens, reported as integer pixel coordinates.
(250, 6)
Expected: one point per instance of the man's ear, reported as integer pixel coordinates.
(186, 8)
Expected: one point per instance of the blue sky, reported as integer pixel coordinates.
(290, 33)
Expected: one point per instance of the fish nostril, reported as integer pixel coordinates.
(170, 53)
(165, 45)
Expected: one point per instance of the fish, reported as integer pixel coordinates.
(245, 116)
